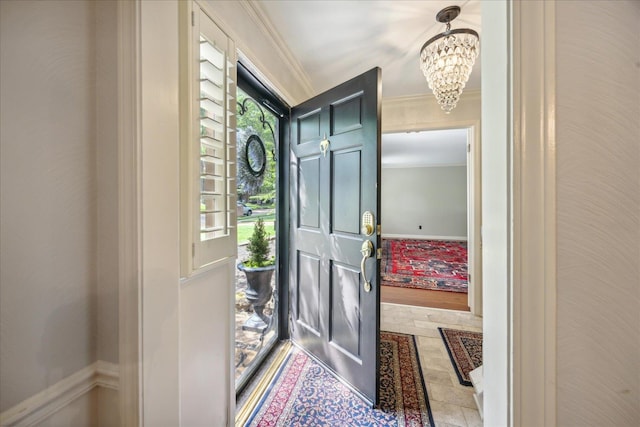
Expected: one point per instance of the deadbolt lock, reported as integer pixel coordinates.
(368, 223)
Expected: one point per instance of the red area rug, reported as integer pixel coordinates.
(425, 264)
(465, 351)
(304, 393)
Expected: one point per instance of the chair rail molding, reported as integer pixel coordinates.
(39, 407)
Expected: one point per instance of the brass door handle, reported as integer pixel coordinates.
(367, 252)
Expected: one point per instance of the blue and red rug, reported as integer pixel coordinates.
(465, 351)
(425, 264)
(303, 393)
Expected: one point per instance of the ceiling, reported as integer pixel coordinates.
(336, 40)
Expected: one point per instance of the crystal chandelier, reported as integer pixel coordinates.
(447, 59)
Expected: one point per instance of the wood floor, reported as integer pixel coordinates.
(424, 298)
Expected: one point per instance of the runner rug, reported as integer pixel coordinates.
(303, 393)
(465, 351)
(425, 264)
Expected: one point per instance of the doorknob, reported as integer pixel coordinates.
(367, 252)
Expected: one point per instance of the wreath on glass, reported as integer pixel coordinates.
(252, 161)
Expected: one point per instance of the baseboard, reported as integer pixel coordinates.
(422, 237)
(477, 380)
(41, 406)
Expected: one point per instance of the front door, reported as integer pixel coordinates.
(335, 206)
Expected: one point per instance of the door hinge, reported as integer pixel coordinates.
(193, 250)
(379, 253)
(468, 148)
(193, 18)
(379, 230)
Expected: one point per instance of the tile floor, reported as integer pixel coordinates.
(452, 404)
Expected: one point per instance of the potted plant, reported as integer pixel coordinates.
(258, 269)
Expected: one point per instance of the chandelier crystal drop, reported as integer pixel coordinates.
(447, 59)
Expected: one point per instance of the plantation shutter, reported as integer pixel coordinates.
(213, 141)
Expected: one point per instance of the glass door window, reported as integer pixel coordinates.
(257, 290)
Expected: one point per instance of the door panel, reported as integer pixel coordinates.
(333, 317)
(309, 286)
(345, 211)
(309, 194)
(345, 300)
(309, 127)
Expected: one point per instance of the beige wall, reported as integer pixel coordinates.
(58, 287)
(598, 192)
(48, 288)
(433, 197)
(106, 170)
(81, 412)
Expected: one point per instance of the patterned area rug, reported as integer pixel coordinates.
(304, 393)
(425, 264)
(465, 351)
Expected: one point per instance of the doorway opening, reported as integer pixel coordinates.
(427, 213)
(258, 313)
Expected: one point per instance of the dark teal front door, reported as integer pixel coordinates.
(335, 179)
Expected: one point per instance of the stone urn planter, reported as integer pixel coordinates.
(258, 294)
(259, 270)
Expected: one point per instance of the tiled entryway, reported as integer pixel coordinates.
(452, 404)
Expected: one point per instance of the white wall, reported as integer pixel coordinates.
(433, 197)
(495, 213)
(207, 390)
(598, 189)
(160, 212)
(48, 182)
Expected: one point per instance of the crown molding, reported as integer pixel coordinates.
(257, 14)
(421, 165)
(470, 94)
